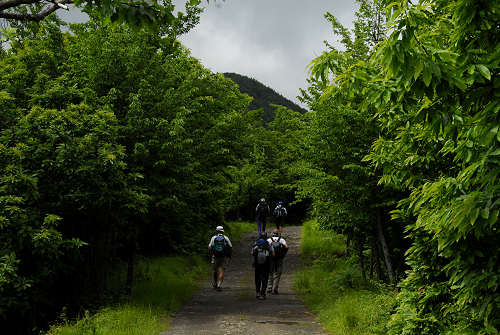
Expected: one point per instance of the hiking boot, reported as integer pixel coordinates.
(263, 297)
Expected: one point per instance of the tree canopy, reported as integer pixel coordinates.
(137, 12)
(432, 88)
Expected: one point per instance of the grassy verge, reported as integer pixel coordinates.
(333, 289)
(162, 285)
(236, 229)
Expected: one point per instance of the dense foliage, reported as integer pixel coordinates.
(115, 141)
(263, 96)
(137, 12)
(432, 86)
(111, 140)
(343, 187)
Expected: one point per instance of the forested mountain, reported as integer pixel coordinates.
(263, 96)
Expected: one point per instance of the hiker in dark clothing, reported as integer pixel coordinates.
(261, 252)
(263, 211)
(220, 249)
(280, 214)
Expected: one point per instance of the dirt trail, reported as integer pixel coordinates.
(235, 310)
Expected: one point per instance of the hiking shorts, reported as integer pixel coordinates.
(219, 263)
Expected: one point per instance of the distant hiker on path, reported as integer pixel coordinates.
(280, 214)
(280, 249)
(263, 211)
(261, 252)
(219, 248)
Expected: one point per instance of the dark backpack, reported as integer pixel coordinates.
(220, 246)
(261, 252)
(279, 248)
(262, 208)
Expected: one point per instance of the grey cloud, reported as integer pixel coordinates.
(270, 40)
(73, 15)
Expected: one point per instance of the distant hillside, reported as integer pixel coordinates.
(263, 95)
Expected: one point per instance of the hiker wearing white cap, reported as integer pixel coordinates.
(219, 248)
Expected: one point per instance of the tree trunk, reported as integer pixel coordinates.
(373, 254)
(377, 260)
(361, 257)
(385, 249)
(130, 269)
(347, 245)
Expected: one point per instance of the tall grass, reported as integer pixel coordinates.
(168, 281)
(318, 243)
(236, 229)
(332, 287)
(162, 285)
(119, 320)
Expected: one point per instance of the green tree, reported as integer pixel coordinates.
(435, 95)
(132, 12)
(114, 141)
(346, 195)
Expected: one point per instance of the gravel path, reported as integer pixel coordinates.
(235, 310)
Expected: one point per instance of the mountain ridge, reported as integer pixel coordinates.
(262, 95)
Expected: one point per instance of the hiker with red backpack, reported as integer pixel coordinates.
(220, 249)
(261, 252)
(280, 248)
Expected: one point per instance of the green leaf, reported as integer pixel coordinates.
(484, 71)
(485, 213)
(427, 76)
(474, 216)
(387, 96)
(493, 217)
(469, 156)
(418, 69)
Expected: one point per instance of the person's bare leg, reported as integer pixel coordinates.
(221, 279)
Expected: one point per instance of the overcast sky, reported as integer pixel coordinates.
(272, 41)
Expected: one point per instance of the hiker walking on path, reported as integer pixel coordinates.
(261, 252)
(280, 214)
(280, 249)
(263, 211)
(219, 248)
(236, 311)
